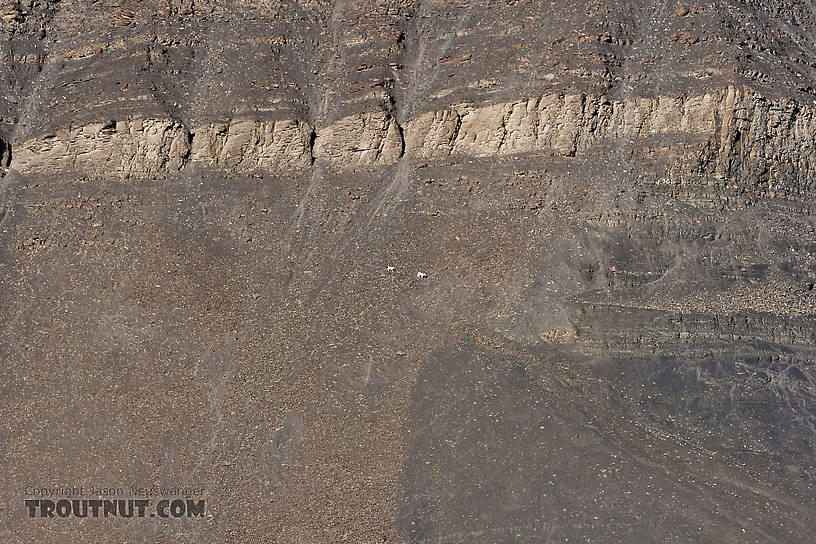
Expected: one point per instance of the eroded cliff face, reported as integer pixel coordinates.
(215, 214)
(369, 139)
(566, 124)
(125, 148)
(248, 145)
(730, 133)
(742, 133)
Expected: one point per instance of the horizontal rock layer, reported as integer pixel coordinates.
(563, 123)
(740, 132)
(247, 145)
(360, 140)
(140, 146)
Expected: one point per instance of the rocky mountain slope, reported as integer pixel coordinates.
(400, 271)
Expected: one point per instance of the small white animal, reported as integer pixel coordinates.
(391, 268)
(421, 275)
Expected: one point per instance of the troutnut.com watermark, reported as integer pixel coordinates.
(68, 501)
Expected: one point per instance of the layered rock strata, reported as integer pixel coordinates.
(369, 139)
(741, 133)
(247, 144)
(139, 146)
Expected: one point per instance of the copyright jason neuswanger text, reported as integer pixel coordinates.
(123, 502)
